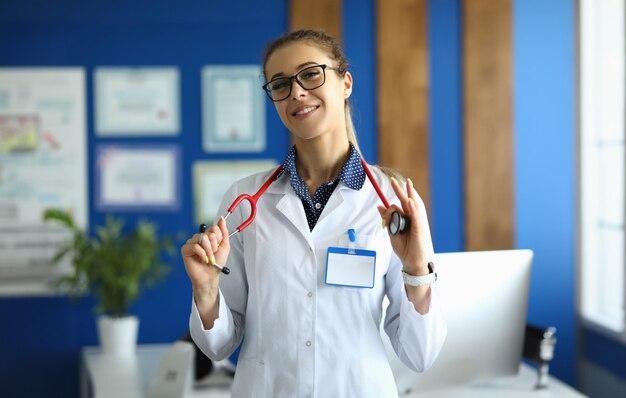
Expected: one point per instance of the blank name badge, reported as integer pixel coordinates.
(350, 267)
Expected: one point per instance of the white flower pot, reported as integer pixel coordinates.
(118, 336)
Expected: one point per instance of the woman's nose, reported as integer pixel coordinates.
(296, 89)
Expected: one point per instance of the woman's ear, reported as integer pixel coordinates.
(347, 85)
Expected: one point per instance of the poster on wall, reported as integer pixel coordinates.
(42, 165)
(233, 109)
(211, 180)
(137, 101)
(131, 178)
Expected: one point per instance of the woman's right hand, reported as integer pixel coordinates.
(198, 252)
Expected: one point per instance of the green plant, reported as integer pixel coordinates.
(114, 266)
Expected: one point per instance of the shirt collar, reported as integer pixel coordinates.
(352, 172)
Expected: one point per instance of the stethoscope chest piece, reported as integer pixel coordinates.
(398, 223)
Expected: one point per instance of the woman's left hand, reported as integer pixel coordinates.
(414, 247)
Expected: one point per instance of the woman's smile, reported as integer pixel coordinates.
(304, 111)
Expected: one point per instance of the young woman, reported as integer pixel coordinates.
(309, 275)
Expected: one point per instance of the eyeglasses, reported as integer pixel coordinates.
(308, 78)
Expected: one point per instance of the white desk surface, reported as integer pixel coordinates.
(103, 377)
(519, 386)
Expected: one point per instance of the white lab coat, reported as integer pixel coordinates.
(301, 337)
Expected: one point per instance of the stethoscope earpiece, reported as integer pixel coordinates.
(399, 223)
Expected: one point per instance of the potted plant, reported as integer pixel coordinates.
(114, 266)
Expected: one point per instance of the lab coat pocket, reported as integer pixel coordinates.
(250, 379)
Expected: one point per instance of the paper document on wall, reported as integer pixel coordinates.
(42, 165)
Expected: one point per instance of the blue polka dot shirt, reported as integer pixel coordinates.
(352, 174)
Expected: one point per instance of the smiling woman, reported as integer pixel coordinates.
(314, 266)
(316, 109)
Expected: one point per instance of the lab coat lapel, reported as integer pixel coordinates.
(334, 203)
(290, 206)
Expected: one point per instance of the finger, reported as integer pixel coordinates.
(193, 249)
(413, 213)
(214, 242)
(417, 199)
(411, 193)
(187, 249)
(382, 210)
(397, 188)
(198, 239)
(386, 212)
(417, 215)
(208, 250)
(405, 200)
(202, 239)
(215, 230)
(224, 230)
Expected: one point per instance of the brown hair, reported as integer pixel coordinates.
(334, 49)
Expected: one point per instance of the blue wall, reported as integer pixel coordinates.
(41, 337)
(544, 99)
(545, 120)
(446, 125)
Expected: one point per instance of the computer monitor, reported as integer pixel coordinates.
(484, 296)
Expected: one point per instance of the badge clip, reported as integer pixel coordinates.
(351, 241)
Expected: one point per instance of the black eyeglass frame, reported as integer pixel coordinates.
(295, 77)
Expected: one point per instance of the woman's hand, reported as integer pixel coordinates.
(414, 247)
(200, 250)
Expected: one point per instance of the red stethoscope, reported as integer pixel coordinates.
(398, 223)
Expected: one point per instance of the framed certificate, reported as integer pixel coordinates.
(211, 180)
(136, 101)
(233, 109)
(137, 177)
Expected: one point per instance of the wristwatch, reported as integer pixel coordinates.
(428, 279)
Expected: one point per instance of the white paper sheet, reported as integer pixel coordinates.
(42, 165)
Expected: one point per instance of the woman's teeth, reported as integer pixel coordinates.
(306, 110)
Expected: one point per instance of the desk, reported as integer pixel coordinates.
(104, 376)
(519, 386)
(110, 377)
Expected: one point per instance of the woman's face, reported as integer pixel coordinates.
(310, 113)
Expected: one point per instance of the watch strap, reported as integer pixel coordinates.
(421, 280)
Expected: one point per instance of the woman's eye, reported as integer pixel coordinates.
(310, 75)
(279, 85)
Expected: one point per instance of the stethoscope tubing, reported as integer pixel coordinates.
(401, 223)
(253, 199)
(370, 176)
